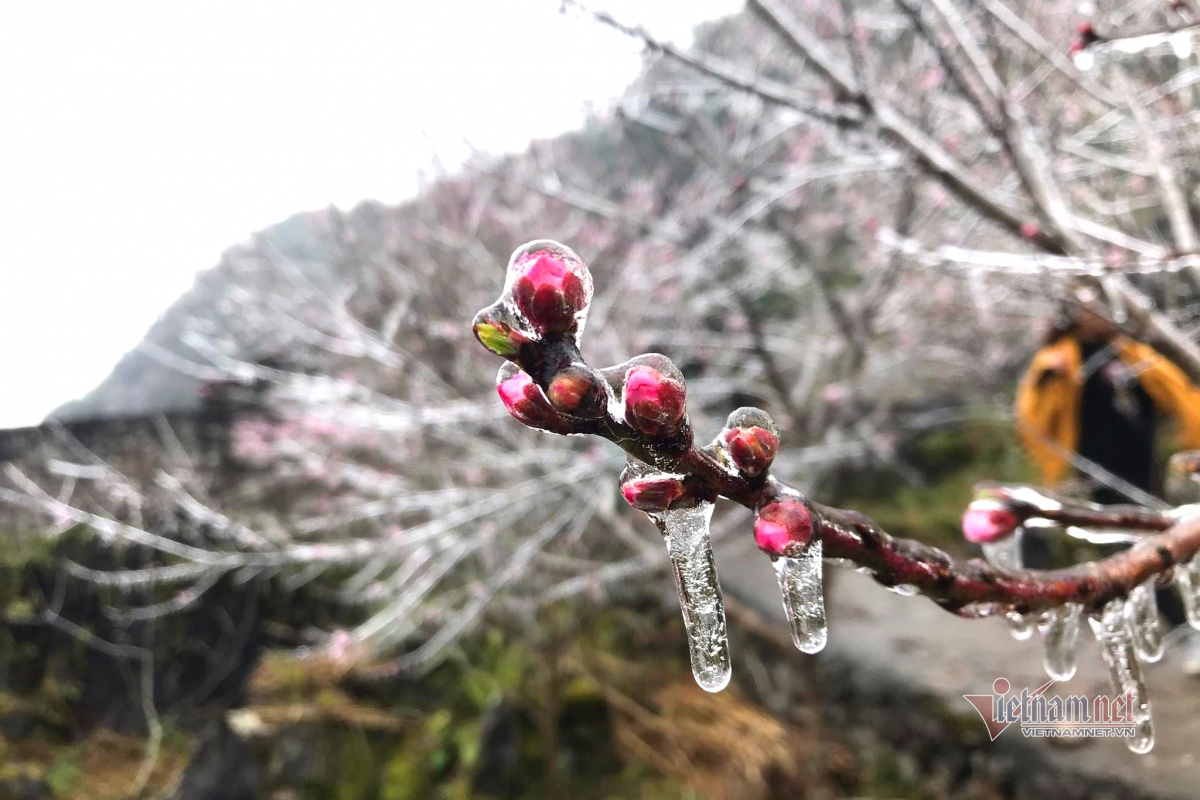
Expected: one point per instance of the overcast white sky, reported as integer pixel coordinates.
(139, 140)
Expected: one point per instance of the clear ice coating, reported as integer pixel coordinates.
(1060, 631)
(1141, 617)
(800, 582)
(577, 267)
(1187, 583)
(686, 531)
(1116, 645)
(1005, 554)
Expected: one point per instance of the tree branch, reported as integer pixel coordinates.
(928, 154)
(556, 390)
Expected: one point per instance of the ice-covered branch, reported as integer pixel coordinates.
(641, 406)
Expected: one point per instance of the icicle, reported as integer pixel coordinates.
(686, 531)
(800, 582)
(1187, 583)
(1141, 616)
(1116, 645)
(1060, 631)
(1005, 554)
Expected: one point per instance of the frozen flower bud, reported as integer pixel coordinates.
(653, 494)
(524, 400)
(497, 335)
(783, 528)
(751, 440)
(988, 521)
(550, 286)
(655, 402)
(579, 391)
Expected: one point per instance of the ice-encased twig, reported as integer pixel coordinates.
(1116, 645)
(1060, 632)
(801, 584)
(1141, 616)
(686, 531)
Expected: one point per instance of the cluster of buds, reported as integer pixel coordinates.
(641, 406)
(545, 384)
(536, 325)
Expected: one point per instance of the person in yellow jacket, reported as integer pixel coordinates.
(1091, 399)
(1093, 396)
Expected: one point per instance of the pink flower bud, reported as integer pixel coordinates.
(524, 400)
(751, 449)
(576, 390)
(654, 403)
(1030, 230)
(783, 528)
(988, 521)
(550, 288)
(652, 494)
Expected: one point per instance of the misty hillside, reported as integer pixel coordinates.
(166, 371)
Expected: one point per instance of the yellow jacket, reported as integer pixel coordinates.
(1049, 397)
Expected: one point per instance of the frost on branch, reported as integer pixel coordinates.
(641, 405)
